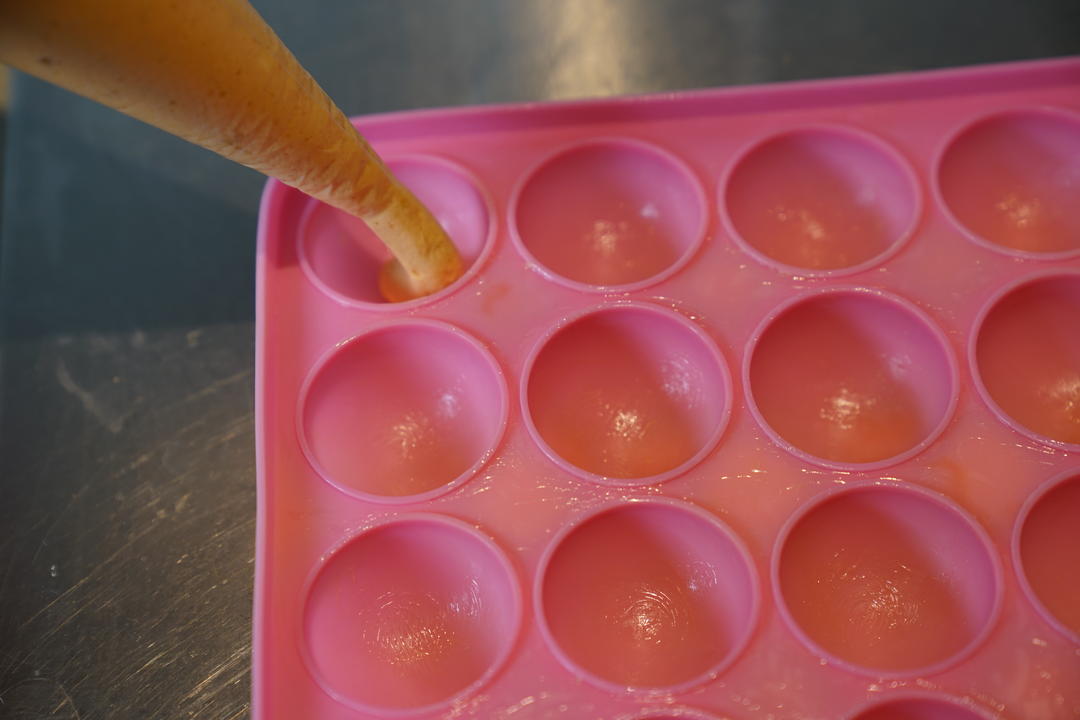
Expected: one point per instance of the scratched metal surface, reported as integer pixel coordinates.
(127, 497)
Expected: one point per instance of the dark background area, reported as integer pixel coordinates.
(127, 467)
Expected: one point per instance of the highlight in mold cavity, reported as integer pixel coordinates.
(403, 412)
(821, 199)
(1026, 356)
(343, 257)
(886, 579)
(851, 378)
(647, 595)
(610, 214)
(628, 394)
(1011, 181)
(410, 615)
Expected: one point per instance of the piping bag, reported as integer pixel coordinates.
(215, 74)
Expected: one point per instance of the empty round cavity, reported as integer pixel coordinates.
(1011, 182)
(851, 378)
(922, 707)
(403, 412)
(410, 615)
(821, 200)
(342, 256)
(1046, 552)
(647, 595)
(887, 579)
(1025, 357)
(609, 214)
(626, 394)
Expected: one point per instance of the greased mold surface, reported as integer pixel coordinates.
(751, 403)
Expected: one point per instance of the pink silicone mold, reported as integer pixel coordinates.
(690, 439)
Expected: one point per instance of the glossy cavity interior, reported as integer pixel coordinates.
(403, 410)
(1049, 550)
(887, 579)
(627, 393)
(1027, 354)
(346, 256)
(820, 199)
(919, 709)
(1013, 180)
(851, 378)
(409, 615)
(648, 596)
(609, 213)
